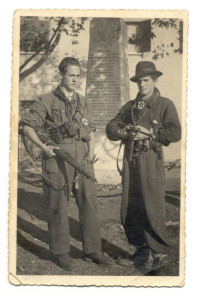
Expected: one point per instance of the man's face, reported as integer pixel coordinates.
(146, 85)
(71, 78)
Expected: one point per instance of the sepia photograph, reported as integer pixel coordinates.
(97, 161)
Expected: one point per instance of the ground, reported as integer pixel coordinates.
(33, 257)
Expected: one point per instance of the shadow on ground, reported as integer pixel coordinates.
(33, 256)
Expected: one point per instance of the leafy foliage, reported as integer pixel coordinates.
(37, 39)
(162, 49)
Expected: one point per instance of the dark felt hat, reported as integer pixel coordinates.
(144, 68)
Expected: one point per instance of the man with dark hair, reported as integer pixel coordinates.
(145, 125)
(66, 62)
(66, 110)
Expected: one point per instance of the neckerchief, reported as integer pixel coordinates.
(71, 106)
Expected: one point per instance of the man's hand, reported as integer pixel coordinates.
(90, 159)
(31, 134)
(123, 133)
(140, 135)
(49, 150)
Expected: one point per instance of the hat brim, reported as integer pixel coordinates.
(136, 77)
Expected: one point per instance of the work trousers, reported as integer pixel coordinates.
(143, 211)
(58, 186)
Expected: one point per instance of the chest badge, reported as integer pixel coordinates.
(141, 104)
(84, 122)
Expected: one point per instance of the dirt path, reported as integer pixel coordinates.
(33, 257)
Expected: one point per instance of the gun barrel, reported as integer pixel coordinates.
(65, 156)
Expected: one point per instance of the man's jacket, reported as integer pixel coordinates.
(159, 114)
(54, 109)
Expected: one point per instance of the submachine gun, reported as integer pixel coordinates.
(133, 130)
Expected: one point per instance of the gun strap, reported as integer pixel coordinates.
(56, 186)
(119, 170)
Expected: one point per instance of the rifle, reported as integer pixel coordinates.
(64, 155)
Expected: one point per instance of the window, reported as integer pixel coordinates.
(139, 37)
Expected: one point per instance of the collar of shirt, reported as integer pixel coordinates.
(66, 93)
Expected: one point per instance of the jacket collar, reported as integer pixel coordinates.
(59, 93)
(65, 92)
(150, 101)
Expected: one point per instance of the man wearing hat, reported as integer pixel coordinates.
(66, 116)
(144, 125)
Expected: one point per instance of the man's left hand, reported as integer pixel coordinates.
(90, 159)
(141, 135)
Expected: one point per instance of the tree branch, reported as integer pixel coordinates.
(49, 46)
(49, 49)
(46, 45)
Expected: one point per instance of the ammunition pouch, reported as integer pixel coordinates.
(56, 134)
(141, 146)
(157, 148)
(72, 129)
(59, 133)
(69, 130)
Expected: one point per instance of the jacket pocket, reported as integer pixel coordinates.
(50, 165)
(57, 117)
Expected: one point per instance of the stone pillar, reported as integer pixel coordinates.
(107, 87)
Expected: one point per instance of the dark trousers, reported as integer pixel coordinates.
(61, 173)
(143, 210)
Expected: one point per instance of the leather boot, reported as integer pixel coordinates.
(65, 261)
(99, 258)
(141, 256)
